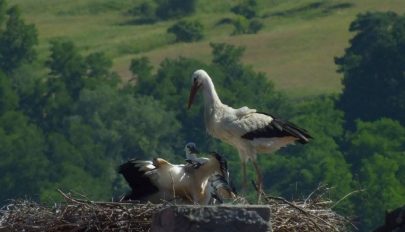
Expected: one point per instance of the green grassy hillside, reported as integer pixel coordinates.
(295, 49)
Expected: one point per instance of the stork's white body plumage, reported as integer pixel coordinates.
(247, 130)
(160, 180)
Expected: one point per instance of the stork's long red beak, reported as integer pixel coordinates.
(193, 91)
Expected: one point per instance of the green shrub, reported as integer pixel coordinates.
(146, 12)
(247, 8)
(255, 26)
(187, 31)
(175, 8)
(243, 25)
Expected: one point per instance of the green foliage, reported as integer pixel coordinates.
(127, 126)
(8, 98)
(3, 10)
(246, 23)
(226, 55)
(376, 151)
(66, 63)
(255, 26)
(17, 41)
(146, 12)
(152, 11)
(247, 8)
(141, 67)
(319, 161)
(241, 25)
(175, 8)
(245, 26)
(373, 68)
(23, 166)
(187, 31)
(98, 65)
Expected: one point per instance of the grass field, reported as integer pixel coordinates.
(295, 49)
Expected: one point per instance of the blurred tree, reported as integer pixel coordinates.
(247, 8)
(175, 8)
(99, 67)
(17, 41)
(23, 166)
(226, 55)
(300, 169)
(3, 10)
(8, 98)
(67, 64)
(146, 12)
(127, 126)
(373, 69)
(141, 67)
(255, 25)
(187, 31)
(243, 25)
(376, 152)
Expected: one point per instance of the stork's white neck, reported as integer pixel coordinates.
(211, 98)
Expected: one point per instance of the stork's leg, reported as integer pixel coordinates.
(244, 184)
(259, 180)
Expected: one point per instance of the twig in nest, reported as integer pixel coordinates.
(346, 196)
(77, 215)
(311, 214)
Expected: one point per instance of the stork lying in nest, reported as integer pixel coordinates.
(220, 187)
(159, 180)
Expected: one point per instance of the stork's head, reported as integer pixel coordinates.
(191, 148)
(197, 80)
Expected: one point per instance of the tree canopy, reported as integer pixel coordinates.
(373, 68)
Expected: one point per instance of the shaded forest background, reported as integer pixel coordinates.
(68, 119)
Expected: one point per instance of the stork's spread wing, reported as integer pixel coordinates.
(134, 173)
(268, 126)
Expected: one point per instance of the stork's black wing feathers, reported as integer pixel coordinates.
(279, 128)
(140, 184)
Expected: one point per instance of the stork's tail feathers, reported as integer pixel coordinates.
(292, 129)
(279, 127)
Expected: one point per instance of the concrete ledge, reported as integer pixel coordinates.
(229, 218)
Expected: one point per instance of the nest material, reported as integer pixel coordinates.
(77, 215)
(311, 214)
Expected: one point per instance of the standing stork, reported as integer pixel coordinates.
(249, 131)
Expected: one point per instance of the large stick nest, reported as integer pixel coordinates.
(78, 214)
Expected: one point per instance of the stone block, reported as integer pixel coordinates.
(228, 218)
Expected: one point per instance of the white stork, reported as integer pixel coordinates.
(219, 186)
(249, 131)
(159, 180)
